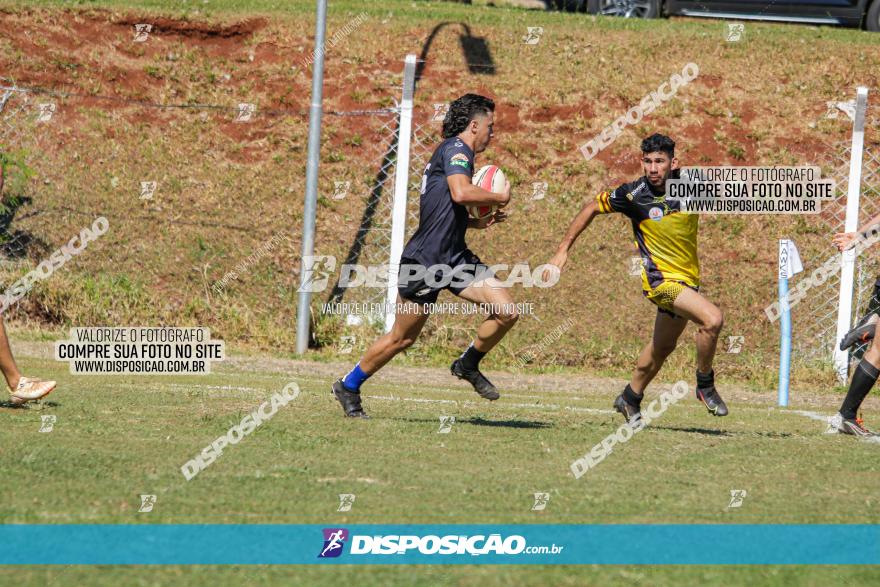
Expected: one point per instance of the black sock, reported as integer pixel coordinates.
(470, 359)
(862, 382)
(705, 380)
(631, 397)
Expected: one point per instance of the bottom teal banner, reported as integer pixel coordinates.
(277, 544)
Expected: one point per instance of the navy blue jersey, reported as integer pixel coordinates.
(439, 238)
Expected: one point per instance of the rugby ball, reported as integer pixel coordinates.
(490, 178)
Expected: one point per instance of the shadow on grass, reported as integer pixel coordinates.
(706, 431)
(484, 422)
(28, 406)
(693, 430)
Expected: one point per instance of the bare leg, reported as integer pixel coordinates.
(708, 317)
(407, 326)
(7, 362)
(872, 355)
(667, 329)
(500, 320)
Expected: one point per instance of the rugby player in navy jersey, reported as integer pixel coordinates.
(446, 193)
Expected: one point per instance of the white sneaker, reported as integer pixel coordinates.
(837, 424)
(30, 389)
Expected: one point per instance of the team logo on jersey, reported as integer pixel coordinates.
(629, 196)
(655, 213)
(459, 159)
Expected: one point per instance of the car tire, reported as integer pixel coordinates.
(571, 5)
(652, 9)
(872, 19)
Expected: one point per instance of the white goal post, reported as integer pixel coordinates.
(847, 258)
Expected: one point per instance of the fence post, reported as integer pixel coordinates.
(401, 184)
(303, 308)
(847, 258)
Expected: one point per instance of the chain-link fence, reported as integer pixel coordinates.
(203, 208)
(371, 243)
(814, 318)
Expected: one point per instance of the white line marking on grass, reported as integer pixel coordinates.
(812, 415)
(219, 387)
(472, 403)
(413, 399)
(821, 418)
(590, 410)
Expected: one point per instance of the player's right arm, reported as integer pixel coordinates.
(577, 226)
(457, 162)
(605, 203)
(467, 194)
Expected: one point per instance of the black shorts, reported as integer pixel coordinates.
(424, 289)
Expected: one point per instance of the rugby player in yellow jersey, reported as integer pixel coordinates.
(667, 243)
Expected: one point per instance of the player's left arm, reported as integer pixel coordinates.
(499, 216)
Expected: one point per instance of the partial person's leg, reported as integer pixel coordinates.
(863, 380)
(502, 316)
(408, 323)
(23, 389)
(693, 306)
(710, 320)
(7, 362)
(667, 330)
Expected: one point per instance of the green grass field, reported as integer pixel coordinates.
(225, 189)
(116, 438)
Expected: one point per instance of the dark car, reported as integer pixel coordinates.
(853, 13)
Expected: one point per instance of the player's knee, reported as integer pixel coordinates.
(661, 351)
(405, 342)
(401, 342)
(507, 317)
(714, 323)
(873, 352)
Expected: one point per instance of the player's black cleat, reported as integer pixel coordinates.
(712, 400)
(861, 334)
(351, 401)
(481, 385)
(631, 412)
(852, 426)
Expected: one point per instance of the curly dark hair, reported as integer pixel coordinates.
(463, 110)
(657, 142)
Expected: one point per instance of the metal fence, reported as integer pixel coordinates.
(814, 318)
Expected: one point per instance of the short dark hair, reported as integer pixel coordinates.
(463, 110)
(657, 142)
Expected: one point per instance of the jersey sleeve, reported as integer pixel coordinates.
(457, 160)
(614, 201)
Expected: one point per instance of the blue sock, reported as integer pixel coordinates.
(355, 378)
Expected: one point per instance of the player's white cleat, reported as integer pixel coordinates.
(30, 389)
